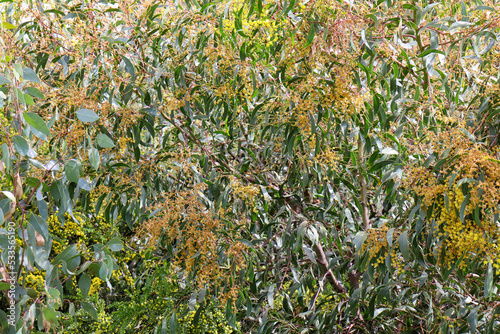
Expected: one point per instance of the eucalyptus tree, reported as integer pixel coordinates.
(316, 166)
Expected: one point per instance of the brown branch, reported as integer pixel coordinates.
(323, 263)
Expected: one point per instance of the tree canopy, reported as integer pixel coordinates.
(285, 166)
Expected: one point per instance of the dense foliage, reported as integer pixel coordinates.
(253, 166)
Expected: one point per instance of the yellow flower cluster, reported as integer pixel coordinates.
(246, 193)
(467, 240)
(123, 274)
(378, 248)
(329, 157)
(267, 24)
(103, 323)
(184, 221)
(36, 280)
(95, 285)
(210, 321)
(426, 185)
(65, 235)
(170, 102)
(464, 193)
(122, 145)
(85, 233)
(376, 244)
(302, 121)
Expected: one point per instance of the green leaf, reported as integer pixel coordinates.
(104, 141)
(359, 239)
(38, 124)
(71, 309)
(472, 320)
(28, 99)
(8, 25)
(40, 225)
(483, 8)
(19, 95)
(21, 145)
(4, 80)
(378, 311)
(174, 324)
(72, 169)
(428, 51)
(84, 283)
(196, 318)
(87, 115)
(247, 243)
(380, 165)
(363, 39)
(459, 24)
(84, 184)
(429, 7)
(463, 207)
(477, 219)
(69, 255)
(129, 67)
(90, 309)
(163, 329)
(467, 180)
(35, 93)
(270, 296)
(389, 150)
(18, 70)
(468, 134)
(488, 281)
(310, 36)
(4, 322)
(302, 229)
(50, 314)
(104, 271)
(404, 246)
(390, 236)
(30, 75)
(9, 196)
(30, 315)
(423, 279)
(94, 158)
(115, 244)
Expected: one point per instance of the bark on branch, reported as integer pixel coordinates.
(323, 263)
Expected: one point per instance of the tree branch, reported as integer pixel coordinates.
(323, 263)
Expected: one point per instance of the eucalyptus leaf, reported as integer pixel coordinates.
(87, 115)
(90, 309)
(104, 141)
(72, 170)
(30, 75)
(21, 145)
(404, 245)
(38, 124)
(84, 283)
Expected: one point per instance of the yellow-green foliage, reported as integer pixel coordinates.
(81, 322)
(86, 232)
(146, 309)
(212, 320)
